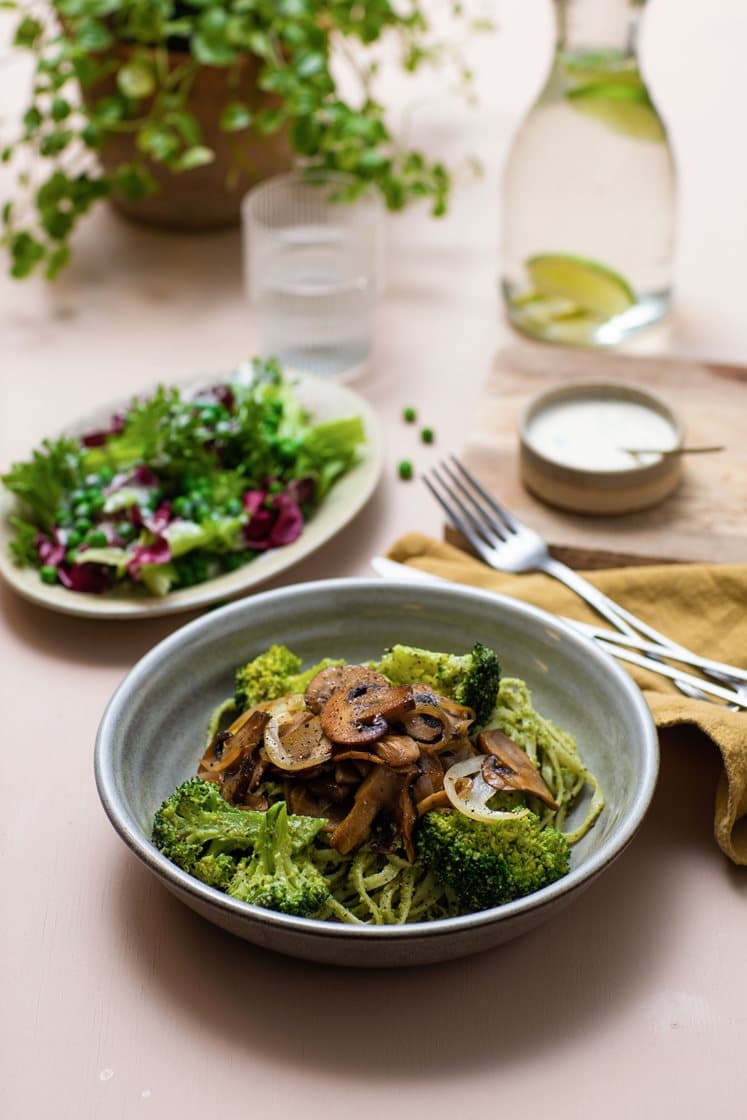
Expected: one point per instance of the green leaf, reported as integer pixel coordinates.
(28, 32)
(42, 481)
(134, 182)
(60, 109)
(159, 142)
(92, 35)
(53, 190)
(213, 51)
(270, 120)
(136, 79)
(258, 42)
(57, 223)
(235, 117)
(56, 261)
(23, 545)
(32, 119)
(194, 157)
(91, 135)
(186, 124)
(55, 142)
(109, 110)
(307, 65)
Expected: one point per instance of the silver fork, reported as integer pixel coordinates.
(507, 544)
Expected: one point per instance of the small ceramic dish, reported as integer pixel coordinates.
(600, 447)
(153, 732)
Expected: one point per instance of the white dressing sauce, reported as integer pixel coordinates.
(592, 433)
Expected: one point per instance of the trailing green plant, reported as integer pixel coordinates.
(104, 68)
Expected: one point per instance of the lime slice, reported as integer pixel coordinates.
(541, 310)
(590, 286)
(627, 109)
(587, 67)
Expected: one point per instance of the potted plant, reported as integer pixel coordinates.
(172, 108)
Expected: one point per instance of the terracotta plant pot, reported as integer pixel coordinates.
(207, 197)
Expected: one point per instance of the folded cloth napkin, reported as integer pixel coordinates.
(703, 606)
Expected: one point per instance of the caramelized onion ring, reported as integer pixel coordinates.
(468, 791)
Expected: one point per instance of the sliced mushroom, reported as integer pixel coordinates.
(435, 719)
(398, 750)
(430, 777)
(239, 784)
(334, 677)
(438, 800)
(300, 745)
(303, 802)
(376, 792)
(406, 817)
(508, 767)
(362, 713)
(227, 747)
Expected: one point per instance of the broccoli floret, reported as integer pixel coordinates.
(471, 678)
(275, 877)
(265, 677)
(487, 863)
(215, 870)
(274, 673)
(196, 822)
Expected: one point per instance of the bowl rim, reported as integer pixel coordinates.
(200, 893)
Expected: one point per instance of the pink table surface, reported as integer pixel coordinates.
(117, 1001)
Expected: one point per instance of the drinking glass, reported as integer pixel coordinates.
(311, 255)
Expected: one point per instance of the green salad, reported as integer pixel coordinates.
(179, 487)
(420, 786)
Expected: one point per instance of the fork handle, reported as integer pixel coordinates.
(628, 623)
(590, 594)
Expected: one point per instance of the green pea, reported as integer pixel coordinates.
(106, 474)
(97, 539)
(82, 509)
(125, 530)
(181, 507)
(405, 469)
(74, 538)
(409, 415)
(48, 574)
(83, 525)
(63, 518)
(233, 507)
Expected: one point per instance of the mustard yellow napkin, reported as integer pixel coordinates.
(702, 606)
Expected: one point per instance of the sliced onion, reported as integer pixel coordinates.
(287, 715)
(468, 791)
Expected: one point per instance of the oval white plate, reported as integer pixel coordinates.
(326, 400)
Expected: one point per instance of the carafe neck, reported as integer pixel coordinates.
(599, 24)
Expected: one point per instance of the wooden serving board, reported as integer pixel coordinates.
(704, 520)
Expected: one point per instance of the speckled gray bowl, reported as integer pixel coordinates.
(153, 731)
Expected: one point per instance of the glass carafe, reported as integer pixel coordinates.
(589, 189)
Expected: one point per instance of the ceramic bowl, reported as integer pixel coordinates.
(153, 732)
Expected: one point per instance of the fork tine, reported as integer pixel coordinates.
(458, 522)
(509, 520)
(485, 518)
(478, 518)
